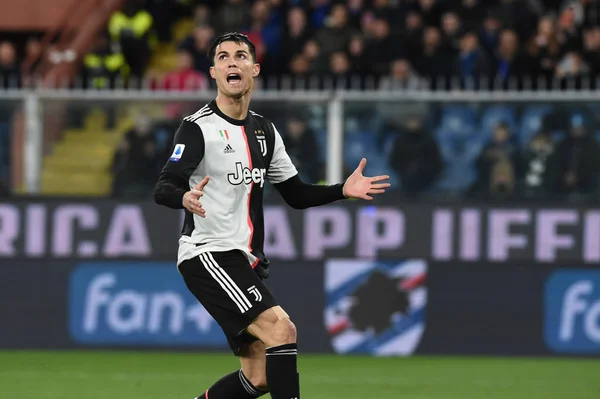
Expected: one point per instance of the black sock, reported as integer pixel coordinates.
(232, 386)
(282, 372)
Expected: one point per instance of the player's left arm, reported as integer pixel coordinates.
(300, 195)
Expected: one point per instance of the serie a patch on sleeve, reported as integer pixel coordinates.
(177, 153)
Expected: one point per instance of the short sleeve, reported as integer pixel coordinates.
(187, 150)
(281, 167)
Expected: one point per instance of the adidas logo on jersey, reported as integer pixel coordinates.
(228, 149)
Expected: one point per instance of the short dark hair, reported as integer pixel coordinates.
(235, 37)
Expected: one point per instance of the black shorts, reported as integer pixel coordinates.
(230, 290)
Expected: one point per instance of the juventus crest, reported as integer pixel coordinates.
(262, 142)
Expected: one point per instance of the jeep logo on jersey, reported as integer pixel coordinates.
(245, 175)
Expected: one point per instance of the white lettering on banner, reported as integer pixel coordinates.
(442, 231)
(127, 234)
(576, 302)
(162, 302)
(470, 228)
(35, 231)
(29, 230)
(469, 237)
(279, 239)
(129, 311)
(500, 239)
(317, 239)
(65, 217)
(452, 233)
(547, 237)
(9, 229)
(591, 237)
(368, 239)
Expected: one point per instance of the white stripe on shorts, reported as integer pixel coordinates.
(221, 277)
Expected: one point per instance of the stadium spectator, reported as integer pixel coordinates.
(340, 71)
(471, 64)
(184, 77)
(497, 165)
(381, 48)
(355, 12)
(202, 15)
(131, 27)
(577, 160)
(451, 31)
(301, 145)
(415, 157)
(9, 66)
(336, 33)
(471, 12)
(567, 30)
(431, 62)
(313, 54)
(591, 49)
(34, 55)
(134, 162)
(489, 34)
(410, 38)
(300, 66)
(296, 35)
(535, 165)
(198, 44)
(587, 12)
(544, 50)
(233, 16)
(359, 62)
(260, 33)
(103, 66)
(511, 64)
(401, 77)
(431, 11)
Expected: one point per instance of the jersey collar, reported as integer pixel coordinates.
(238, 122)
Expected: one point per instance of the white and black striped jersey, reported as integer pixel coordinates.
(238, 156)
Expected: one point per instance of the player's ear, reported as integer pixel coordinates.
(212, 72)
(256, 70)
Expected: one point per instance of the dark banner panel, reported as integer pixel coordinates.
(342, 305)
(443, 233)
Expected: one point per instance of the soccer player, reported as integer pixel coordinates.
(222, 156)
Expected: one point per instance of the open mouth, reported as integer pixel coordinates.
(234, 78)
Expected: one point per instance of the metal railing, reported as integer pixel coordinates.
(335, 103)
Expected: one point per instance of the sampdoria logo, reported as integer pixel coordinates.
(375, 307)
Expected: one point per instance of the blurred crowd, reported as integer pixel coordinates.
(537, 151)
(390, 44)
(369, 44)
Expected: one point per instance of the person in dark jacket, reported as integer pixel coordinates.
(577, 160)
(415, 156)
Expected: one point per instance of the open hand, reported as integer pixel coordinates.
(191, 199)
(359, 186)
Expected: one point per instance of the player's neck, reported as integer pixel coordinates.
(232, 107)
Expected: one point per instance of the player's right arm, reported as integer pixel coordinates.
(173, 188)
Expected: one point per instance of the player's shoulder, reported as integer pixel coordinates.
(202, 116)
(262, 122)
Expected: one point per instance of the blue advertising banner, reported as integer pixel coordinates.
(137, 304)
(572, 311)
